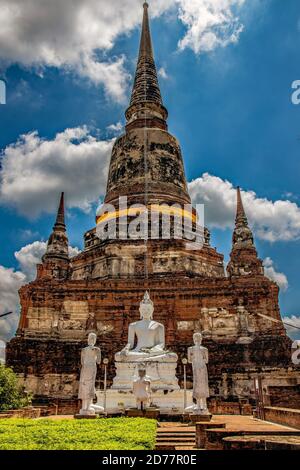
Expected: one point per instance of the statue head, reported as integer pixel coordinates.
(92, 338)
(146, 307)
(142, 371)
(197, 337)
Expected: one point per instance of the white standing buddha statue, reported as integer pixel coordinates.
(198, 357)
(90, 358)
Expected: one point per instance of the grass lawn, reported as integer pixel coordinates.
(82, 434)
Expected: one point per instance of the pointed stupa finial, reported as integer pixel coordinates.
(146, 107)
(58, 245)
(240, 211)
(146, 42)
(243, 256)
(60, 218)
(242, 233)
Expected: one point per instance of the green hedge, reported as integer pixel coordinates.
(83, 434)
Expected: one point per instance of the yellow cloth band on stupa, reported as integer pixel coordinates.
(134, 211)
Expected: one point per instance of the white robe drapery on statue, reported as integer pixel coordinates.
(90, 357)
(198, 356)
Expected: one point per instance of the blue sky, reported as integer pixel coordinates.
(230, 107)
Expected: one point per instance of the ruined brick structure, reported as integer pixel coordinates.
(100, 288)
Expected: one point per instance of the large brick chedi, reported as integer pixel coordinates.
(100, 289)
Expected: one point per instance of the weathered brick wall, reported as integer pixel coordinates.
(176, 298)
(285, 416)
(286, 397)
(57, 406)
(46, 352)
(30, 412)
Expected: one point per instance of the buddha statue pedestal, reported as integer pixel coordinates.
(161, 374)
(169, 402)
(150, 413)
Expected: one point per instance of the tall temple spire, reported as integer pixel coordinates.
(243, 256)
(146, 163)
(146, 42)
(60, 218)
(240, 211)
(58, 245)
(146, 101)
(146, 87)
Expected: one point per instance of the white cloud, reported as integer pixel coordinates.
(270, 271)
(27, 234)
(11, 281)
(294, 321)
(162, 73)
(271, 220)
(210, 23)
(68, 35)
(29, 256)
(115, 128)
(78, 35)
(36, 170)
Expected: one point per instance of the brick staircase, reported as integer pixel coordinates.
(226, 432)
(175, 437)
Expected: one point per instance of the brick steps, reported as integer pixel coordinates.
(176, 434)
(178, 439)
(175, 438)
(187, 448)
(238, 431)
(201, 432)
(178, 430)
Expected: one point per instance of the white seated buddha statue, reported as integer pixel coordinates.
(146, 344)
(146, 338)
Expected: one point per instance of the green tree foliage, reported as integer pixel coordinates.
(11, 393)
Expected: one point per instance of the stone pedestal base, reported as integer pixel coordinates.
(79, 416)
(161, 374)
(151, 413)
(201, 432)
(168, 402)
(91, 412)
(199, 418)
